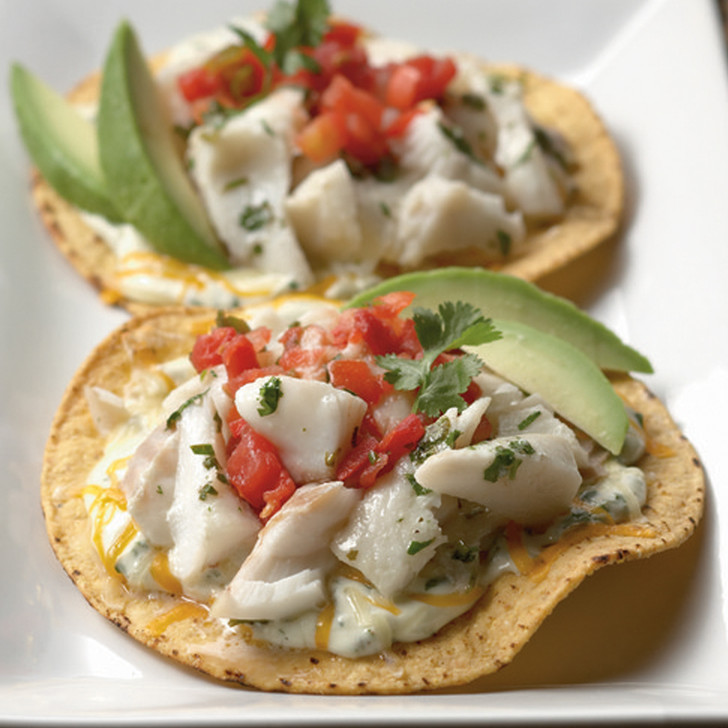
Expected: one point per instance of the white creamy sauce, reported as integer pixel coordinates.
(345, 569)
(284, 230)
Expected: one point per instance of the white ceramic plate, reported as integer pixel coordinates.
(644, 642)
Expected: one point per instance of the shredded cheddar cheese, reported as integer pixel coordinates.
(323, 626)
(455, 599)
(185, 610)
(537, 568)
(162, 575)
(190, 277)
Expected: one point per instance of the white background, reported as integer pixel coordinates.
(646, 641)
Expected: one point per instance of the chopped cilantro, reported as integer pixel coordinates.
(436, 435)
(302, 24)
(254, 217)
(506, 461)
(208, 451)
(435, 581)
(206, 490)
(526, 153)
(549, 147)
(268, 396)
(235, 183)
(474, 101)
(504, 242)
(497, 84)
(195, 399)
(463, 552)
(417, 546)
(455, 135)
(203, 449)
(453, 326)
(523, 424)
(452, 437)
(418, 489)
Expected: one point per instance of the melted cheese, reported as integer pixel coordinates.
(179, 613)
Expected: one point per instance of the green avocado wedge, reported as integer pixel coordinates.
(508, 298)
(562, 375)
(146, 175)
(61, 142)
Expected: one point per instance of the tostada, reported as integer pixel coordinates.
(380, 497)
(298, 151)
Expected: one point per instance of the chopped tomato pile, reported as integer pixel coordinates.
(254, 467)
(356, 109)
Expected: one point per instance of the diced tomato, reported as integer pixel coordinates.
(359, 113)
(379, 327)
(259, 337)
(378, 464)
(323, 138)
(401, 440)
(398, 124)
(379, 335)
(240, 72)
(255, 470)
(390, 305)
(357, 377)
(198, 83)
(364, 141)
(484, 430)
(306, 363)
(356, 460)
(208, 348)
(343, 97)
(250, 375)
(306, 352)
(347, 97)
(343, 33)
(403, 87)
(472, 393)
(349, 60)
(403, 437)
(239, 355)
(371, 458)
(435, 75)
(233, 75)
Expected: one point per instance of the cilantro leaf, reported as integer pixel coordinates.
(444, 384)
(268, 396)
(453, 326)
(249, 42)
(302, 24)
(404, 374)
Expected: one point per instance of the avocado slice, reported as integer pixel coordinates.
(61, 143)
(500, 296)
(145, 173)
(563, 375)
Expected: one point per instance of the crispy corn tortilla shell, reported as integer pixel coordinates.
(593, 214)
(476, 644)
